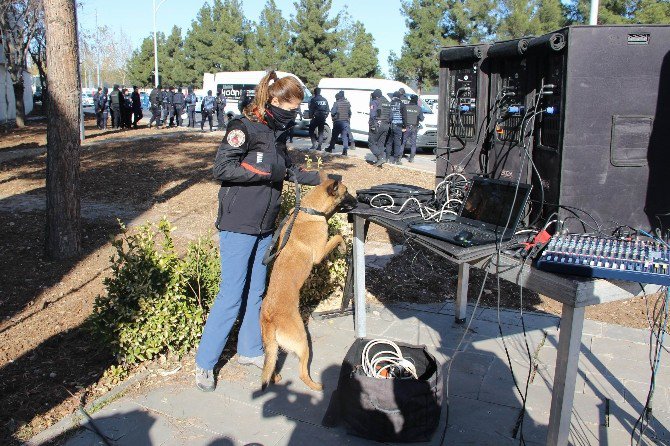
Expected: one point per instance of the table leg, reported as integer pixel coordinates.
(359, 276)
(462, 292)
(567, 361)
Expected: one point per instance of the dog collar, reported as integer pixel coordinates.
(311, 211)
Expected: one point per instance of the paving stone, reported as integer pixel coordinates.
(636, 335)
(603, 386)
(463, 384)
(592, 328)
(617, 348)
(515, 344)
(624, 416)
(224, 415)
(474, 437)
(308, 434)
(498, 384)
(465, 413)
(637, 371)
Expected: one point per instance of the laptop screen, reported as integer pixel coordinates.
(490, 201)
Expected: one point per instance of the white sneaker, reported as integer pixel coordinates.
(258, 361)
(204, 379)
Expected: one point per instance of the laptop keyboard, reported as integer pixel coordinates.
(458, 227)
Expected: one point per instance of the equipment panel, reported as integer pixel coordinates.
(463, 102)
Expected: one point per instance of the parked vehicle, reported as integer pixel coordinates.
(430, 100)
(87, 99)
(358, 91)
(233, 83)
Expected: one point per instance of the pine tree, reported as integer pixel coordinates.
(551, 15)
(314, 40)
(418, 61)
(270, 48)
(470, 21)
(140, 66)
(200, 54)
(363, 57)
(171, 59)
(518, 19)
(652, 11)
(231, 34)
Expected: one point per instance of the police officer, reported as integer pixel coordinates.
(178, 104)
(191, 99)
(380, 112)
(244, 100)
(115, 104)
(207, 108)
(166, 105)
(394, 146)
(318, 112)
(341, 114)
(220, 109)
(103, 105)
(126, 110)
(413, 116)
(155, 99)
(96, 100)
(137, 106)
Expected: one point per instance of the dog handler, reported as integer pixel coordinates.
(251, 163)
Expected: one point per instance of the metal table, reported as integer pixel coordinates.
(574, 293)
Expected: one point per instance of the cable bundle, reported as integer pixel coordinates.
(449, 195)
(386, 364)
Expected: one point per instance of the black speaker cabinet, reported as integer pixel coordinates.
(602, 141)
(462, 111)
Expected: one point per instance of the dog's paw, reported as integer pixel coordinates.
(342, 248)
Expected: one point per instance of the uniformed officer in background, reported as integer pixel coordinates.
(207, 108)
(191, 99)
(178, 104)
(341, 113)
(318, 112)
(166, 106)
(126, 110)
(414, 115)
(243, 101)
(96, 101)
(137, 106)
(394, 146)
(115, 104)
(220, 109)
(155, 99)
(103, 105)
(380, 112)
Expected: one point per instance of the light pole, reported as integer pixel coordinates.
(156, 43)
(593, 15)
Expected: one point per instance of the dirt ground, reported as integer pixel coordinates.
(47, 359)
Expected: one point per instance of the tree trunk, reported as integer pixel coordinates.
(63, 231)
(20, 106)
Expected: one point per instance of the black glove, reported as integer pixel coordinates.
(278, 173)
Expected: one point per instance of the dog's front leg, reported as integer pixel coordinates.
(331, 244)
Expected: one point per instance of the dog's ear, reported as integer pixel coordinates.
(332, 188)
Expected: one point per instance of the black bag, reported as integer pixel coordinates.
(394, 410)
(398, 191)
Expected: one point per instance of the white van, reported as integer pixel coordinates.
(430, 100)
(358, 91)
(234, 82)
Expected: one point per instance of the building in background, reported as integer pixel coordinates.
(7, 100)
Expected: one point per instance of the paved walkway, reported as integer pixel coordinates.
(483, 407)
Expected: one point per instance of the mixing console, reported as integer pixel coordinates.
(643, 261)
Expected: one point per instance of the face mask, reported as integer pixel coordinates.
(280, 118)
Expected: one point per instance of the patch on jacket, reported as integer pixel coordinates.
(259, 157)
(235, 138)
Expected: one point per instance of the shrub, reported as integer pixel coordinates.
(156, 301)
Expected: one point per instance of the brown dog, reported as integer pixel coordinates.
(308, 245)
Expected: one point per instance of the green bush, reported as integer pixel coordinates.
(156, 301)
(327, 278)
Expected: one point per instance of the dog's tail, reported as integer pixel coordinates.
(271, 351)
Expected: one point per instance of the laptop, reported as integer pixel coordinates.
(484, 213)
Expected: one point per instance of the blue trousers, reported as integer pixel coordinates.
(394, 145)
(410, 135)
(340, 128)
(242, 285)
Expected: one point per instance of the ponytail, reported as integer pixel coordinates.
(285, 89)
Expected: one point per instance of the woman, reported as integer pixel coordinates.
(251, 164)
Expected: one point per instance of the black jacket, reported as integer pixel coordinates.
(178, 99)
(250, 154)
(318, 107)
(137, 100)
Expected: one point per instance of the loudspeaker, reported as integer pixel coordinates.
(462, 109)
(602, 138)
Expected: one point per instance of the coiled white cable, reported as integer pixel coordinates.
(378, 366)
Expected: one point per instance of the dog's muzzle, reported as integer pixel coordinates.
(347, 204)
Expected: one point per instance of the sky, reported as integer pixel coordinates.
(133, 18)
